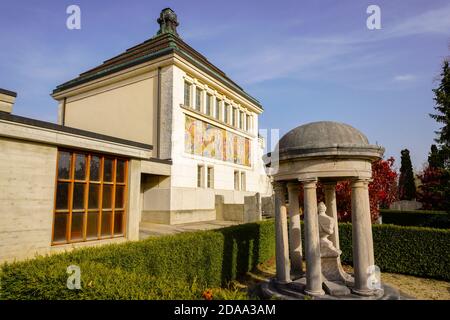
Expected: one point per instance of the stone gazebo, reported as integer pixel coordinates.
(327, 152)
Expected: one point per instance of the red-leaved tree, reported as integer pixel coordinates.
(382, 191)
(431, 192)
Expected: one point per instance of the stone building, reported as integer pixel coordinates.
(156, 134)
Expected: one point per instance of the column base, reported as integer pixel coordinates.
(364, 292)
(315, 293)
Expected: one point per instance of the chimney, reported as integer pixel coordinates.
(168, 22)
(7, 99)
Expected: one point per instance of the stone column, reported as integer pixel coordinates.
(312, 241)
(295, 231)
(330, 203)
(362, 236)
(281, 234)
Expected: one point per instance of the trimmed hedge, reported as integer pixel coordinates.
(416, 251)
(418, 218)
(169, 267)
(183, 265)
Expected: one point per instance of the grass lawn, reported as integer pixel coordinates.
(420, 288)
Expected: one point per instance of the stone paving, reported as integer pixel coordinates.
(148, 229)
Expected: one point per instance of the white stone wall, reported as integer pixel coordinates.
(27, 187)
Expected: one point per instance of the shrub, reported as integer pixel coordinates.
(418, 218)
(169, 267)
(408, 250)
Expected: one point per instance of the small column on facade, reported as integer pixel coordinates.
(362, 236)
(312, 241)
(281, 234)
(295, 231)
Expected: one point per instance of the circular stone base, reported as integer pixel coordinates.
(295, 291)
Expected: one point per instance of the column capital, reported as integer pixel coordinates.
(360, 182)
(293, 185)
(279, 186)
(329, 184)
(309, 183)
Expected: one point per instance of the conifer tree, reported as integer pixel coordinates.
(406, 184)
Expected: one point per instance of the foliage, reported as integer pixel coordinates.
(418, 218)
(416, 251)
(442, 115)
(193, 265)
(434, 191)
(170, 267)
(406, 184)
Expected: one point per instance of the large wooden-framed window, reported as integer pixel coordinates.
(90, 197)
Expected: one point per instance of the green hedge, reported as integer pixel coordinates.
(183, 265)
(415, 251)
(418, 218)
(170, 267)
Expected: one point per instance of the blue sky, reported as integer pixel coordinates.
(304, 60)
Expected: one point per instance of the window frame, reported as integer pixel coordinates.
(236, 176)
(71, 181)
(200, 176)
(210, 177)
(188, 89)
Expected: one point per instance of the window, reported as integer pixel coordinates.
(210, 177)
(217, 110)
(90, 197)
(200, 177)
(198, 99)
(248, 124)
(241, 120)
(187, 94)
(233, 116)
(243, 181)
(225, 114)
(208, 104)
(236, 180)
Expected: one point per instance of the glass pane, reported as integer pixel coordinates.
(77, 226)
(94, 192)
(106, 223)
(118, 222)
(92, 225)
(95, 169)
(108, 170)
(62, 195)
(120, 175)
(107, 196)
(64, 165)
(78, 196)
(80, 167)
(59, 229)
(119, 196)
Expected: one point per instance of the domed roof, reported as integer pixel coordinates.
(326, 138)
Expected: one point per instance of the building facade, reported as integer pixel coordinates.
(156, 134)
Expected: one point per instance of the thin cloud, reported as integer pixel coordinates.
(405, 78)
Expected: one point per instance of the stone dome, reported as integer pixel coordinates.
(326, 138)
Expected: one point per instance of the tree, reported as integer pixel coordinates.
(437, 175)
(442, 107)
(406, 184)
(382, 191)
(435, 159)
